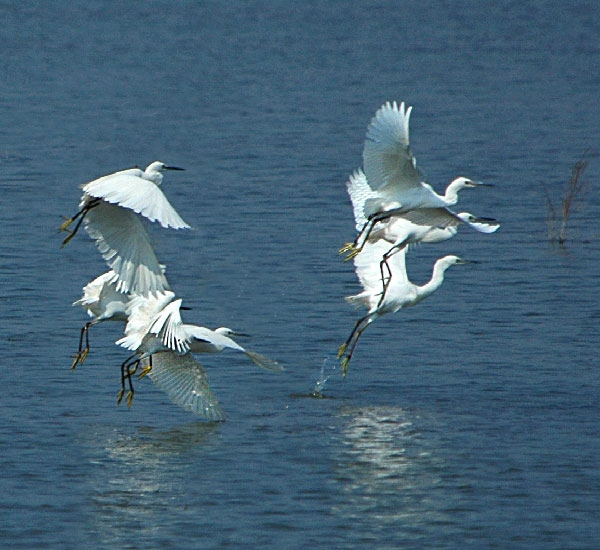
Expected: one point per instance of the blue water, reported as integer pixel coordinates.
(470, 421)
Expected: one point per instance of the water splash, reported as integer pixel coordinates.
(317, 391)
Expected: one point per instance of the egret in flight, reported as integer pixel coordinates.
(400, 292)
(391, 169)
(102, 302)
(155, 325)
(111, 207)
(423, 225)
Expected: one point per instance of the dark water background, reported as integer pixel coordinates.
(470, 421)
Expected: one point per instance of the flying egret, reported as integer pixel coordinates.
(400, 292)
(184, 381)
(391, 168)
(155, 325)
(109, 208)
(102, 302)
(423, 225)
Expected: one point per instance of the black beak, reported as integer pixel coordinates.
(172, 168)
(486, 220)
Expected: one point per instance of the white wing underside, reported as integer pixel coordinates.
(91, 291)
(137, 194)
(387, 159)
(368, 269)
(359, 191)
(125, 245)
(184, 381)
(142, 313)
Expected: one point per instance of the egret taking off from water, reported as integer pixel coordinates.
(102, 302)
(400, 292)
(109, 208)
(423, 225)
(155, 325)
(391, 169)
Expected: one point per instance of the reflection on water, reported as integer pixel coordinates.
(138, 478)
(387, 469)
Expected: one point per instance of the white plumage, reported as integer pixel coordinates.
(391, 169)
(422, 225)
(155, 325)
(380, 296)
(111, 207)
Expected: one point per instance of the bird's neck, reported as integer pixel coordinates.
(155, 177)
(437, 278)
(451, 195)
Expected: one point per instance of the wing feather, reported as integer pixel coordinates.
(184, 381)
(138, 194)
(387, 158)
(125, 245)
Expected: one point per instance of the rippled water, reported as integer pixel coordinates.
(468, 421)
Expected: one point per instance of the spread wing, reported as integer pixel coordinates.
(137, 194)
(387, 159)
(359, 191)
(184, 381)
(368, 269)
(125, 245)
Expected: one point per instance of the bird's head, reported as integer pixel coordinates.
(226, 331)
(451, 260)
(464, 183)
(484, 225)
(154, 171)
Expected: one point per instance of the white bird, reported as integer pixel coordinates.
(184, 381)
(400, 292)
(423, 225)
(155, 325)
(391, 168)
(102, 302)
(109, 207)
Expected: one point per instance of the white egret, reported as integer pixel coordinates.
(155, 325)
(422, 225)
(109, 208)
(102, 302)
(391, 168)
(184, 381)
(400, 292)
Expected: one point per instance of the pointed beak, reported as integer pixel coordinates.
(172, 168)
(185, 308)
(461, 261)
(242, 334)
(481, 184)
(486, 220)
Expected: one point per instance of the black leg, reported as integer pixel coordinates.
(81, 215)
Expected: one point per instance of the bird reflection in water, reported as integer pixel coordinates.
(386, 470)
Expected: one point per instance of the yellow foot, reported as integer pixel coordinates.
(76, 359)
(346, 248)
(83, 356)
(65, 224)
(129, 398)
(355, 252)
(145, 371)
(67, 239)
(345, 363)
(120, 396)
(342, 350)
